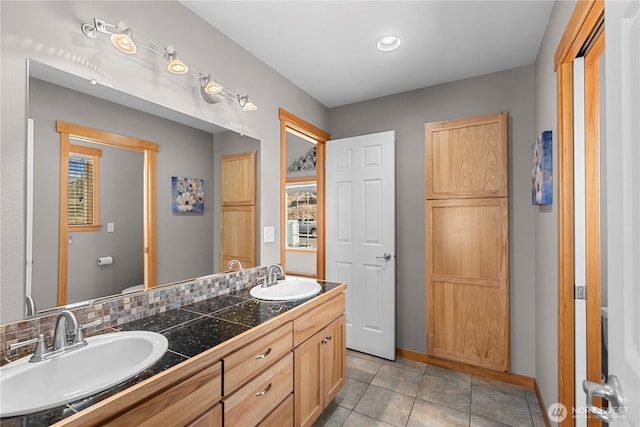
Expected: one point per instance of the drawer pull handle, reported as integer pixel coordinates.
(326, 339)
(263, 392)
(263, 355)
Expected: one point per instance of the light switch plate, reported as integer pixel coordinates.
(269, 234)
(111, 227)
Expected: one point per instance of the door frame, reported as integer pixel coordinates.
(96, 136)
(291, 123)
(585, 20)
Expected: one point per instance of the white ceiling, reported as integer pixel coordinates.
(327, 48)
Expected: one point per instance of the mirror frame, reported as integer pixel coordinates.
(149, 150)
(294, 124)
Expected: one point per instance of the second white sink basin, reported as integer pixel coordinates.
(287, 290)
(105, 361)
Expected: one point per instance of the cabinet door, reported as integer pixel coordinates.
(468, 281)
(237, 235)
(334, 359)
(238, 179)
(467, 158)
(308, 384)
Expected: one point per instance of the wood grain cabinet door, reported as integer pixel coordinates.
(238, 209)
(467, 158)
(467, 241)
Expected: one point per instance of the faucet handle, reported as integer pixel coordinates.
(262, 279)
(41, 349)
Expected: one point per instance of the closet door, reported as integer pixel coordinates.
(467, 241)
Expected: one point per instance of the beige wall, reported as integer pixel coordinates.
(406, 113)
(50, 33)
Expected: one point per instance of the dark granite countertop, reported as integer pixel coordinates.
(190, 330)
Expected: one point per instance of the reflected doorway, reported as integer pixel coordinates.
(302, 148)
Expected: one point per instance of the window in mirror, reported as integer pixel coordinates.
(302, 215)
(83, 212)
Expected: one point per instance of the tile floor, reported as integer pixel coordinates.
(379, 392)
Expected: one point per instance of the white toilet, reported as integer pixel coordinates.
(131, 289)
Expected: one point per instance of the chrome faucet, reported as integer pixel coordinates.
(273, 273)
(234, 261)
(68, 333)
(68, 336)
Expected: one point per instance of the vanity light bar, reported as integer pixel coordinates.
(123, 38)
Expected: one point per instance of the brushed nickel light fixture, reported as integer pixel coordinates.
(174, 63)
(123, 39)
(246, 103)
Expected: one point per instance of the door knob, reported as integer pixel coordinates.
(385, 257)
(611, 390)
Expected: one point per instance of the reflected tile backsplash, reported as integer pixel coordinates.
(120, 309)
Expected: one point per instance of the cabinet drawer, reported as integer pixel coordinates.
(282, 416)
(179, 404)
(211, 418)
(312, 321)
(253, 402)
(245, 363)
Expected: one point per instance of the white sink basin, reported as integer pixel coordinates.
(106, 361)
(287, 290)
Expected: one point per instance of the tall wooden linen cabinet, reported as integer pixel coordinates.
(467, 240)
(238, 186)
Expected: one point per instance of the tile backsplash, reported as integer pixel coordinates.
(116, 310)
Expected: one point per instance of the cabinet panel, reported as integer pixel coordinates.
(314, 320)
(309, 380)
(253, 402)
(238, 179)
(468, 281)
(237, 235)
(282, 416)
(335, 369)
(180, 404)
(467, 157)
(247, 362)
(320, 371)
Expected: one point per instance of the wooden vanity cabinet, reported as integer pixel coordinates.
(320, 361)
(280, 374)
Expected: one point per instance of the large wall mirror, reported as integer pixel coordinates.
(187, 241)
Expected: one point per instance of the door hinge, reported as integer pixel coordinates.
(580, 292)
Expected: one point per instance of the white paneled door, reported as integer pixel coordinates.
(360, 237)
(623, 202)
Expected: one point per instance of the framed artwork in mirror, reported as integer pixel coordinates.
(542, 170)
(187, 195)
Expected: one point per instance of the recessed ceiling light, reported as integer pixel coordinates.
(389, 43)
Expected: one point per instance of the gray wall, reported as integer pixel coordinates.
(184, 241)
(511, 91)
(546, 217)
(49, 32)
(121, 203)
